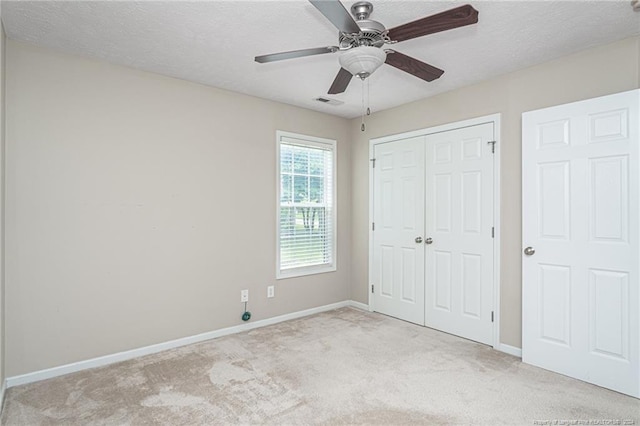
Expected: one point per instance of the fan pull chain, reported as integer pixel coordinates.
(362, 127)
(368, 97)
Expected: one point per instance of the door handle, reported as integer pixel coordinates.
(418, 240)
(529, 251)
(429, 241)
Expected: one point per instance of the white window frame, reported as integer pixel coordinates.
(312, 142)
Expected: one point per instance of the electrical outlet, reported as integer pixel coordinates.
(244, 295)
(271, 292)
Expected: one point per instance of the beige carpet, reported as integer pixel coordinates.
(340, 367)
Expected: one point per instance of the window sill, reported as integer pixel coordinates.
(303, 271)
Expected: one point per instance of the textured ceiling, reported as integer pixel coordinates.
(214, 42)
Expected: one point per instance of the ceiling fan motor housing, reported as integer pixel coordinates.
(372, 33)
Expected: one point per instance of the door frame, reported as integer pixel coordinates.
(495, 119)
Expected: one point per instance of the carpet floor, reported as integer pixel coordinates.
(340, 367)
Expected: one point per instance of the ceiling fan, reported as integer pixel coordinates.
(361, 40)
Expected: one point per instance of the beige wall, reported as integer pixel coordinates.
(2, 145)
(139, 206)
(591, 73)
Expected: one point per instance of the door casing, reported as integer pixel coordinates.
(493, 118)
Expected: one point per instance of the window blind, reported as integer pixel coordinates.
(306, 211)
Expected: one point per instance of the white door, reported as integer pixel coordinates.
(459, 232)
(581, 186)
(398, 217)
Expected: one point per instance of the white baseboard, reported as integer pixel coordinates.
(511, 350)
(359, 305)
(148, 350)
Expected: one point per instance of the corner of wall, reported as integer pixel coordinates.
(638, 58)
(2, 207)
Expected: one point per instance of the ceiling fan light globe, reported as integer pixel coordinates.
(362, 61)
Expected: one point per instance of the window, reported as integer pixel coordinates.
(306, 205)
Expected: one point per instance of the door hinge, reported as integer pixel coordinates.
(373, 161)
(491, 316)
(373, 226)
(493, 146)
(372, 288)
(493, 232)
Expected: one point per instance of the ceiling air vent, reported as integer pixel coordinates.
(328, 101)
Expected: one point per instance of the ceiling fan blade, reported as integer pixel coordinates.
(341, 82)
(413, 66)
(447, 20)
(295, 54)
(335, 12)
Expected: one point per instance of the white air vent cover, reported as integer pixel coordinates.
(328, 101)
